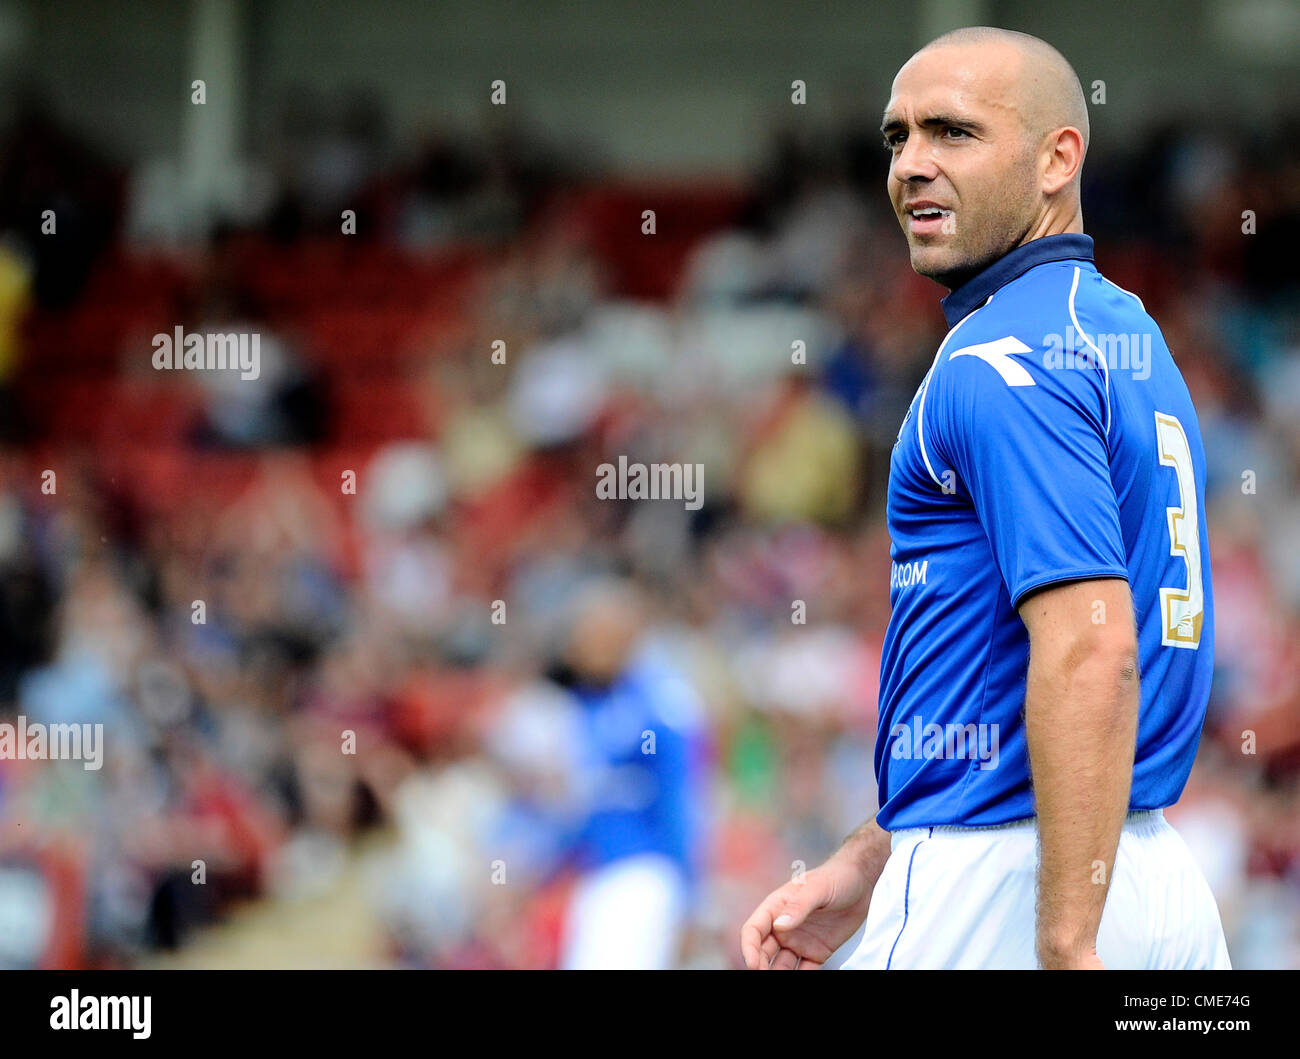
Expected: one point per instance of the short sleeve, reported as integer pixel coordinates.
(1034, 459)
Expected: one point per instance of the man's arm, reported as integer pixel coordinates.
(1081, 709)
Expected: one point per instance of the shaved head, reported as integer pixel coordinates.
(1051, 95)
(987, 129)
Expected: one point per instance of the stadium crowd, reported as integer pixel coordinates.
(203, 582)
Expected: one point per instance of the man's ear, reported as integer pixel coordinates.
(1065, 152)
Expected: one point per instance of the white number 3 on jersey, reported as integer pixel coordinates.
(1181, 610)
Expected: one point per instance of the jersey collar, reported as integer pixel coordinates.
(976, 291)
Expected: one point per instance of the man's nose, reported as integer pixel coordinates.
(914, 161)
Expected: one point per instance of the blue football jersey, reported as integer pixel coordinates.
(1052, 440)
(643, 797)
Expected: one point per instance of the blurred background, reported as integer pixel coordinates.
(452, 716)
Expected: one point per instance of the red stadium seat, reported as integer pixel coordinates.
(378, 410)
(609, 218)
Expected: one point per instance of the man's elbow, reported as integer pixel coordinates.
(1083, 636)
(1106, 654)
(1090, 679)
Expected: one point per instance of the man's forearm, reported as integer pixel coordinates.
(1081, 724)
(867, 849)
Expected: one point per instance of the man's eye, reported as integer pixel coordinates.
(953, 128)
(893, 140)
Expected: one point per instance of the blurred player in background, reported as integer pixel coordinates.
(1047, 665)
(642, 758)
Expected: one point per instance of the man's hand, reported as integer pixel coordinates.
(801, 924)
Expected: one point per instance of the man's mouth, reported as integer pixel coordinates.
(927, 219)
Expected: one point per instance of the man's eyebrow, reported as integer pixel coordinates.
(890, 124)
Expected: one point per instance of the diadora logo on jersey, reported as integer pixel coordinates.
(997, 355)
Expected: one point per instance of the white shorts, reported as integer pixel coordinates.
(627, 915)
(961, 897)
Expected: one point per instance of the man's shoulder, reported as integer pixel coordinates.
(1027, 352)
(1022, 331)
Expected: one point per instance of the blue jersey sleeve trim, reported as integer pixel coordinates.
(1060, 577)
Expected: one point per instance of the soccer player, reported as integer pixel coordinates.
(1047, 664)
(644, 763)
